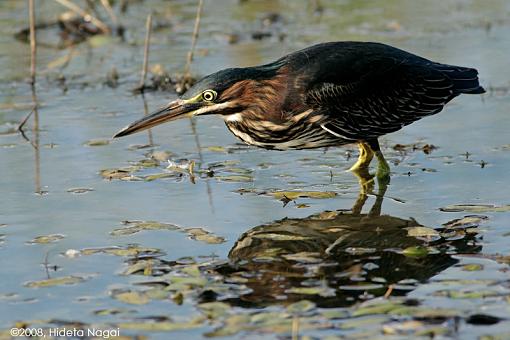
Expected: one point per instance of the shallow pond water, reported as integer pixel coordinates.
(252, 243)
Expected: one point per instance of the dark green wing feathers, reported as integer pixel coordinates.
(368, 93)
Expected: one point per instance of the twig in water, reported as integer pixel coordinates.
(33, 45)
(388, 292)
(23, 122)
(194, 38)
(148, 28)
(78, 10)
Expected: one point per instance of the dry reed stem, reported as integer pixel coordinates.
(194, 38)
(35, 128)
(33, 45)
(78, 10)
(33, 49)
(148, 28)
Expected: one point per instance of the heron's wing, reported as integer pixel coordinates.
(389, 96)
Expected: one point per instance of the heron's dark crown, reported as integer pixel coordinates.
(224, 79)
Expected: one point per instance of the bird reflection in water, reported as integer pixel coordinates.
(336, 258)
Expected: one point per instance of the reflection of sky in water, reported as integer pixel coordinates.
(468, 124)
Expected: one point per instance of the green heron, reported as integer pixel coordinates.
(329, 94)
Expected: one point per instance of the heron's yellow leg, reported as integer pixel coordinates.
(383, 168)
(365, 157)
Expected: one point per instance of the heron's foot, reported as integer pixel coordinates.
(365, 157)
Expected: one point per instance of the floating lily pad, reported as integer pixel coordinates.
(428, 312)
(380, 308)
(46, 239)
(113, 311)
(147, 163)
(184, 166)
(140, 146)
(121, 173)
(302, 205)
(97, 142)
(57, 281)
(321, 291)
(301, 307)
(215, 310)
(79, 190)
(476, 208)
(332, 314)
(471, 220)
(131, 297)
(459, 294)
(133, 227)
(234, 178)
(162, 326)
(202, 235)
(216, 148)
(292, 195)
(131, 250)
(362, 286)
(157, 293)
(182, 283)
(471, 267)
(405, 327)
(364, 322)
(327, 215)
(241, 171)
(144, 266)
(422, 232)
(223, 164)
(359, 250)
(153, 177)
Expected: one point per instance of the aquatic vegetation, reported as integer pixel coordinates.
(182, 232)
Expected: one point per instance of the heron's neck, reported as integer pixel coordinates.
(260, 99)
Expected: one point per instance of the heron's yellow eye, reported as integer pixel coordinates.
(209, 95)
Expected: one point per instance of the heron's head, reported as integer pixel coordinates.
(226, 92)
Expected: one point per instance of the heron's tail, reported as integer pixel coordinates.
(465, 80)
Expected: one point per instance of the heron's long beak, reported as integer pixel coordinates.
(177, 109)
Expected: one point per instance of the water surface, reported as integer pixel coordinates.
(469, 166)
